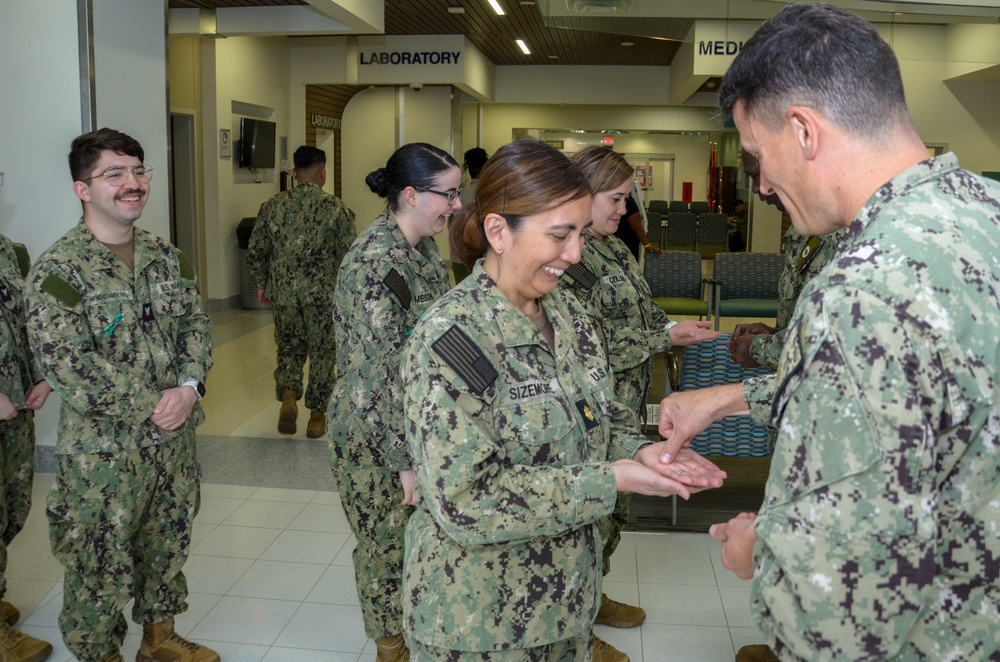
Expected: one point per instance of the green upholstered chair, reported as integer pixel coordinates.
(682, 231)
(745, 285)
(713, 234)
(659, 206)
(675, 282)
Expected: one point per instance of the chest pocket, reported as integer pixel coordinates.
(539, 431)
(112, 323)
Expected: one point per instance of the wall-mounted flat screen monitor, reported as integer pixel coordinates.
(256, 143)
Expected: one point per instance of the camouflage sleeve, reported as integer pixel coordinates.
(476, 495)
(61, 339)
(659, 336)
(261, 246)
(846, 535)
(344, 231)
(194, 334)
(759, 392)
(765, 348)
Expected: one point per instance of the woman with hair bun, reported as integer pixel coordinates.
(518, 445)
(613, 289)
(389, 277)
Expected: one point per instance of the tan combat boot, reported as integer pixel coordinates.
(161, 644)
(317, 424)
(16, 646)
(112, 657)
(289, 412)
(392, 649)
(9, 613)
(756, 653)
(619, 615)
(605, 652)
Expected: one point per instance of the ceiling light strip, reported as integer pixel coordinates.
(496, 7)
(524, 46)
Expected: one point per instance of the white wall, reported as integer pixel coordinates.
(368, 140)
(253, 73)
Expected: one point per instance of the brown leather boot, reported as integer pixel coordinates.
(161, 644)
(605, 652)
(289, 412)
(317, 424)
(9, 613)
(618, 614)
(392, 649)
(756, 653)
(16, 646)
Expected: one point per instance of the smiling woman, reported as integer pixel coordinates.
(518, 445)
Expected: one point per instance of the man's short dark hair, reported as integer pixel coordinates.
(308, 157)
(86, 150)
(821, 57)
(475, 159)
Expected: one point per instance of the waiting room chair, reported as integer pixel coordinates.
(745, 285)
(653, 227)
(677, 206)
(699, 207)
(682, 231)
(658, 206)
(675, 281)
(713, 234)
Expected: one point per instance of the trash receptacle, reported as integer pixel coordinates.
(248, 288)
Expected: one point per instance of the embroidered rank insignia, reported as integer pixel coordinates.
(466, 359)
(147, 312)
(581, 275)
(397, 285)
(5, 294)
(808, 253)
(589, 420)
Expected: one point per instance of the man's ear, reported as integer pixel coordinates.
(82, 190)
(807, 129)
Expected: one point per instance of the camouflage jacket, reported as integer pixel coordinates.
(806, 257)
(110, 341)
(17, 372)
(877, 536)
(608, 282)
(298, 242)
(511, 443)
(384, 287)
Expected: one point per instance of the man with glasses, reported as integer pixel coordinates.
(116, 324)
(298, 242)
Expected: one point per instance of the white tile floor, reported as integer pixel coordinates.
(271, 577)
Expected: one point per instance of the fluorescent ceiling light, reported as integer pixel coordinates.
(496, 7)
(524, 46)
(456, 10)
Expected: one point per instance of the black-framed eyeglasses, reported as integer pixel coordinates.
(118, 175)
(452, 195)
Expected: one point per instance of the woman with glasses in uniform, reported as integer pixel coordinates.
(518, 444)
(391, 274)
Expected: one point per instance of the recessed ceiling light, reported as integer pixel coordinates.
(628, 43)
(527, 3)
(456, 10)
(496, 7)
(553, 57)
(524, 46)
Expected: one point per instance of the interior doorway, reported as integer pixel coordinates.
(654, 175)
(325, 141)
(184, 191)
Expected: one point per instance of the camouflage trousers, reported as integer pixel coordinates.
(575, 649)
(303, 328)
(17, 469)
(631, 390)
(372, 497)
(120, 524)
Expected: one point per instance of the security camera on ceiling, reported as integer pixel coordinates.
(416, 87)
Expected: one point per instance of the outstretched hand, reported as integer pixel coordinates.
(690, 332)
(646, 474)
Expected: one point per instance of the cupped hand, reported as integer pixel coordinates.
(690, 332)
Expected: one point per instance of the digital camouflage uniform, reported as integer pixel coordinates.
(608, 282)
(296, 247)
(512, 443)
(806, 257)
(109, 342)
(878, 533)
(18, 374)
(384, 287)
